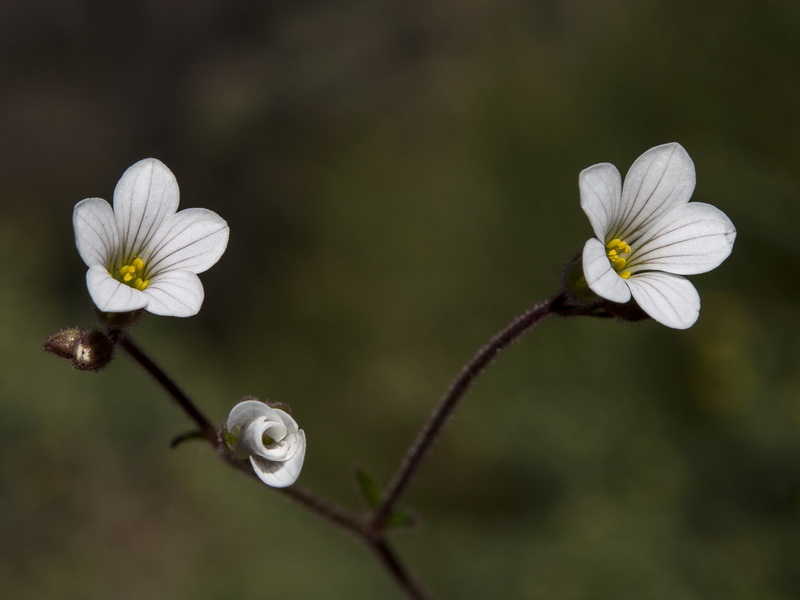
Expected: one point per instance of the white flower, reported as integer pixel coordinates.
(649, 234)
(270, 438)
(142, 253)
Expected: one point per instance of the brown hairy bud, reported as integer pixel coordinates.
(92, 352)
(86, 349)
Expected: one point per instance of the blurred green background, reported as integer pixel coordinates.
(400, 179)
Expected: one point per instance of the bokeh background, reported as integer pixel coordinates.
(400, 179)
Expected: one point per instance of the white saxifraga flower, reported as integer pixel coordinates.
(270, 438)
(142, 253)
(649, 234)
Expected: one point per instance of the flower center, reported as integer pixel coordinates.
(132, 274)
(614, 249)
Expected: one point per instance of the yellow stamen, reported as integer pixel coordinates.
(613, 250)
(131, 274)
(618, 244)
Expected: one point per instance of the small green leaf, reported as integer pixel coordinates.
(401, 518)
(368, 487)
(371, 492)
(185, 437)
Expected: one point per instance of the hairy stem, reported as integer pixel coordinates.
(449, 402)
(397, 569)
(169, 385)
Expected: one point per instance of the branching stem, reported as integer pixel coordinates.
(372, 531)
(303, 496)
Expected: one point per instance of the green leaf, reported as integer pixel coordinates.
(401, 518)
(369, 488)
(371, 492)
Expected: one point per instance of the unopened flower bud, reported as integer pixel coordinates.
(270, 438)
(87, 350)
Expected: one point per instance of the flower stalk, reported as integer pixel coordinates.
(176, 393)
(449, 402)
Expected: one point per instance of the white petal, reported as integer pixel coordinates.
(281, 474)
(603, 280)
(252, 440)
(109, 295)
(145, 196)
(245, 411)
(693, 239)
(600, 187)
(287, 419)
(280, 452)
(670, 299)
(293, 443)
(95, 231)
(660, 180)
(175, 294)
(190, 240)
(274, 429)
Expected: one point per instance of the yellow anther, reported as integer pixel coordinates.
(131, 274)
(618, 245)
(613, 250)
(618, 263)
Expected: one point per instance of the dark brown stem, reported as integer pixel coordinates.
(303, 496)
(397, 569)
(139, 355)
(339, 516)
(449, 401)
